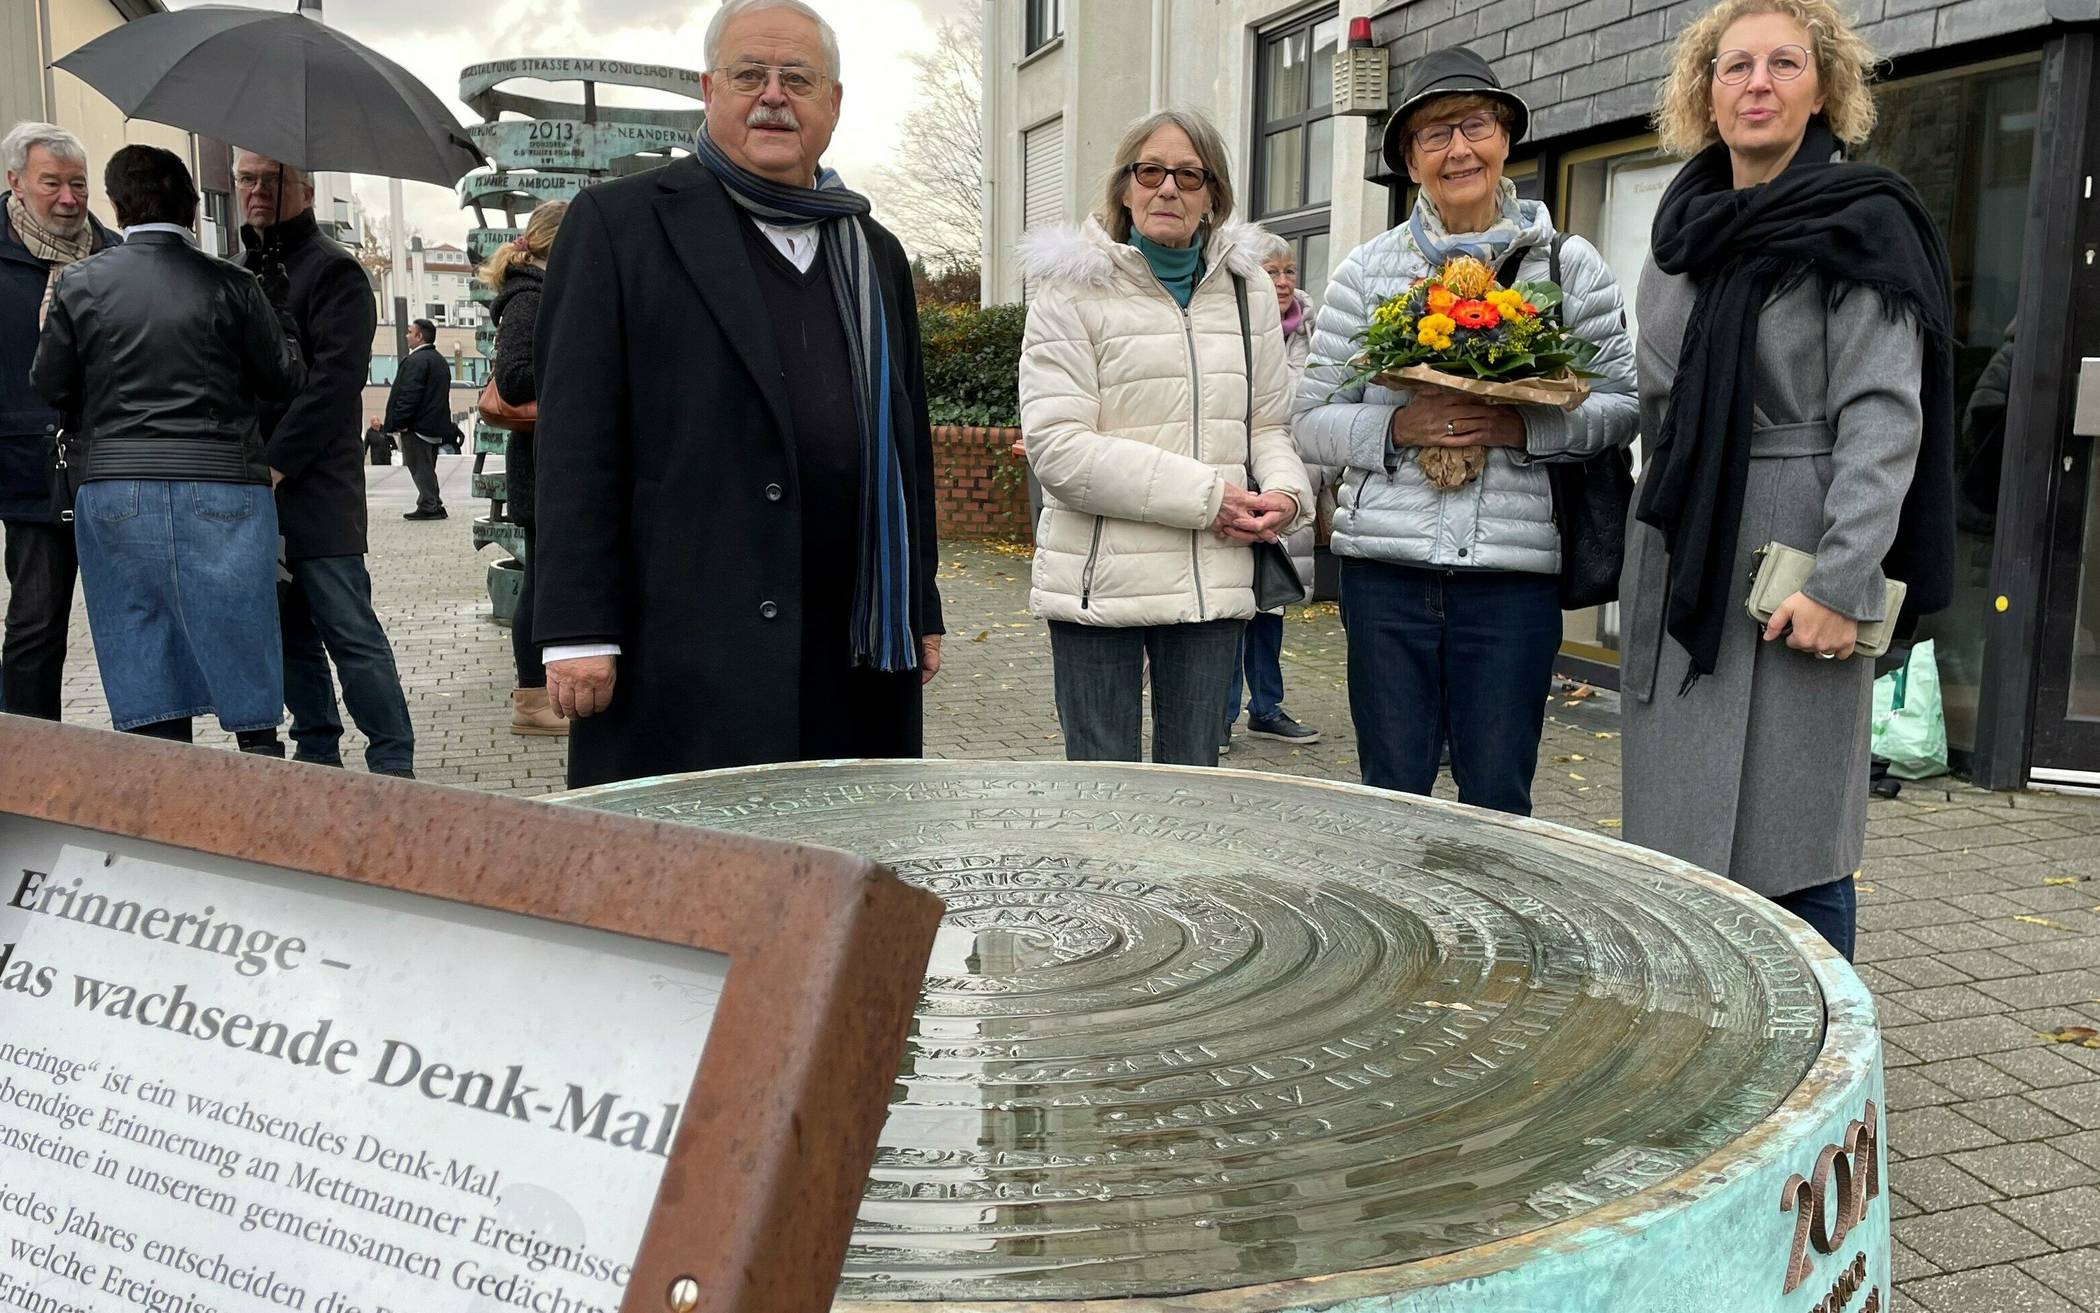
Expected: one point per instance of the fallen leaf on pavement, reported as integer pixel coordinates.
(1612, 824)
(982, 634)
(2084, 1037)
(2061, 880)
(2041, 921)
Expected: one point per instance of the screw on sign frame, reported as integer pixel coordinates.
(826, 953)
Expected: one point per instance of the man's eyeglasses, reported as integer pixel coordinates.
(1185, 179)
(1437, 136)
(750, 79)
(1732, 68)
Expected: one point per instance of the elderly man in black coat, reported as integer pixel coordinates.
(736, 543)
(316, 454)
(44, 227)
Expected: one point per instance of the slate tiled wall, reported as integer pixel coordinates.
(1583, 63)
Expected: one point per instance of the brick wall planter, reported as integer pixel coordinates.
(981, 488)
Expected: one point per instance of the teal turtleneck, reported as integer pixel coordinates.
(1176, 267)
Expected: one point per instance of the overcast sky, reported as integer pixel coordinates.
(435, 39)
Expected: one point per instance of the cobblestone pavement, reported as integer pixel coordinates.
(1980, 912)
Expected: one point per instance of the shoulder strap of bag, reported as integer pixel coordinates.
(1239, 292)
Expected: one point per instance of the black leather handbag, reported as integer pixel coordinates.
(1590, 500)
(1276, 579)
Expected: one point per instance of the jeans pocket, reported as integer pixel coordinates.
(223, 501)
(110, 502)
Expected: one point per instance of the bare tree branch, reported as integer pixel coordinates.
(933, 193)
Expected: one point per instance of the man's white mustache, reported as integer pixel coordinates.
(768, 117)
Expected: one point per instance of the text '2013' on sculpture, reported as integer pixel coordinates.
(274, 1036)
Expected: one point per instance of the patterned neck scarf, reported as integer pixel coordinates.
(881, 637)
(1488, 246)
(53, 248)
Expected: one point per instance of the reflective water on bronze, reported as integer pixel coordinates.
(1192, 1030)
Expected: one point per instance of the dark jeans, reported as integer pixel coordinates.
(326, 613)
(421, 459)
(1832, 910)
(1464, 655)
(524, 653)
(1099, 674)
(41, 568)
(1261, 656)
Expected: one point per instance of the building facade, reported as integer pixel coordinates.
(1991, 107)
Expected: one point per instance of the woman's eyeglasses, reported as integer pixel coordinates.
(750, 79)
(1732, 68)
(1185, 179)
(1437, 136)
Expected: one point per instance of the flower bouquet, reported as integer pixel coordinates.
(1460, 330)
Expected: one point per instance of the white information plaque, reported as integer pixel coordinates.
(229, 1087)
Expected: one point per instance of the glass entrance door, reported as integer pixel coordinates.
(2067, 687)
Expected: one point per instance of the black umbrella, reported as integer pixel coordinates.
(281, 85)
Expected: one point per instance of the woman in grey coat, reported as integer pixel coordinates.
(1795, 388)
(1452, 597)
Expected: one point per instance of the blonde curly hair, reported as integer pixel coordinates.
(1845, 66)
(538, 239)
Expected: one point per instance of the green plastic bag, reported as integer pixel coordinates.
(1910, 725)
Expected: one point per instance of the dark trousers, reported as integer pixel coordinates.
(525, 653)
(1099, 674)
(41, 568)
(326, 614)
(1832, 910)
(1437, 654)
(421, 458)
(1261, 658)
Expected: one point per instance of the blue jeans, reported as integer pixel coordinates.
(1261, 656)
(1832, 910)
(181, 584)
(1466, 655)
(1099, 676)
(328, 615)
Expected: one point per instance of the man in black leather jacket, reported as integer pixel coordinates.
(165, 353)
(419, 413)
(316, 448)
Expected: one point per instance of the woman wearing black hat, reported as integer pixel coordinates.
(1452, 596)
(1796, 387)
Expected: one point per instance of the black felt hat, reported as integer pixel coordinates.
(1454, 71)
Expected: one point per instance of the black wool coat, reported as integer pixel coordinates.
(28, 425)
(669, 512)
(421, 401)
(317, 441)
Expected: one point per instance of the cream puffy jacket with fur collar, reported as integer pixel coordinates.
(1136, 418)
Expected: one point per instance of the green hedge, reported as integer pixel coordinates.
(973, 358)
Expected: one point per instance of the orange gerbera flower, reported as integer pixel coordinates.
(1441, 299)
(1476, 314)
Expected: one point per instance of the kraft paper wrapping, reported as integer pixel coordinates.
(1563, 391)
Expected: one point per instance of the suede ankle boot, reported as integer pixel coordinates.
(532, 713)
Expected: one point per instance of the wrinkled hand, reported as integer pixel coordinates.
(929, 658)
(1812, 627)
(1235, 510)
(1436, 418)
(1276, 509)
(581, 686)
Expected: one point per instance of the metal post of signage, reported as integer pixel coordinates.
(557, 149)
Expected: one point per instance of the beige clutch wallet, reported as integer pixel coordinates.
(1782, 570)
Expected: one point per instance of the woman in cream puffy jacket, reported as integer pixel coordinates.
(1135, 406)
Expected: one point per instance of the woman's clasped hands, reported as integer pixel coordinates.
(1253, 517)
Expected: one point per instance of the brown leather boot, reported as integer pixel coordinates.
(532, 713)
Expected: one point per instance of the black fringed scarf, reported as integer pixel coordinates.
(1855, 225)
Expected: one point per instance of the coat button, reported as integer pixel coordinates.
(1461, 551)
(768, 610)
(774, 492)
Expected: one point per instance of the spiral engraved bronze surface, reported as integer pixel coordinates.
(1191, 1030)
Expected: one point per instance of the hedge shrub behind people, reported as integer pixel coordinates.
(973, 359)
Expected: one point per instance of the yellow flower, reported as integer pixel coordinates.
(1438, 325)
(1441, 299)
(1509, 303)
(1468, 278)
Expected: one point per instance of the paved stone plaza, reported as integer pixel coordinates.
(1980, 912)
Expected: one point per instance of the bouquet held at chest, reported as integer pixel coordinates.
(1458, 329)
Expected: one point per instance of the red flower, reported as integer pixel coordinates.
(1476, 314)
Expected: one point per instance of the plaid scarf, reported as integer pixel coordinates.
(881, 635)
(1438, 246)
(55, 249)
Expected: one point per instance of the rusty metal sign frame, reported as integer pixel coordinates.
(826, 954)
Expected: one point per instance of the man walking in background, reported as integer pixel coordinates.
(419, 414)
(45, 227)
(316, 457)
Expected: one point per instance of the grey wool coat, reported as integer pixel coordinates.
(1759, 771)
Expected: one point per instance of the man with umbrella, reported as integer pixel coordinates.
(316, 455)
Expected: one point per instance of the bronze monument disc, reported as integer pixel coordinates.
(1185, 1030)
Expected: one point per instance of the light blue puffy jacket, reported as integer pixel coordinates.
(1386, 509)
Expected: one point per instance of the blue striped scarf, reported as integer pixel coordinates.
(882, 636)
(1438, 246)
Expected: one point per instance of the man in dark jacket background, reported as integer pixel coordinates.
(419, 413)
(316, 454)
(44, 227)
